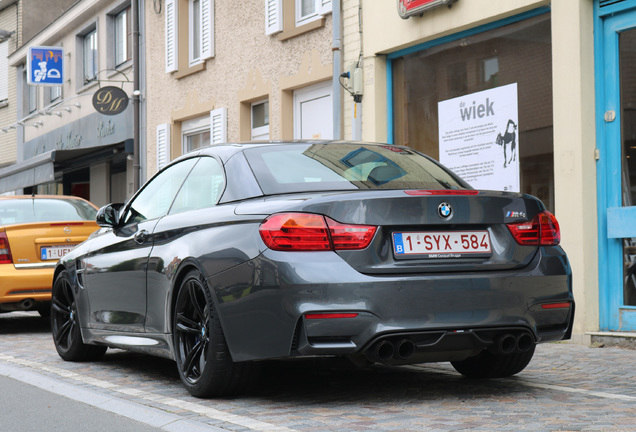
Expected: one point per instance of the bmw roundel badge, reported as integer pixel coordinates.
(444, 210)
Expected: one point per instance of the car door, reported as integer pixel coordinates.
(186, 232)
(114, 271)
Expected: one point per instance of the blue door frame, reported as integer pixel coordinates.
(615, 222)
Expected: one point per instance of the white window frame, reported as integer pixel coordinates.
(122, 36)
(90, 56)
(32, 94)
(261, 132)
(307, 94)
(55, 93)
(274, 14)
(201, 36)
(321, 7)
(192, 127)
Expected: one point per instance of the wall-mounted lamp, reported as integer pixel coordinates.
(67, 109)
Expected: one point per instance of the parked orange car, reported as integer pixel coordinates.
(35, 232)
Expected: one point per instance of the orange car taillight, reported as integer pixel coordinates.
(312, 232)
(543, 230)
(5, 250)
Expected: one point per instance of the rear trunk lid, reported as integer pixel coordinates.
(422, 231)
(43, 243)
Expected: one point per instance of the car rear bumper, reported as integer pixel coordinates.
(27, 283)
(264, 305)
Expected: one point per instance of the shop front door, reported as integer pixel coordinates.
(616, 71)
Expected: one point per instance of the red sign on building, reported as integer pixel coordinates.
(407, 8)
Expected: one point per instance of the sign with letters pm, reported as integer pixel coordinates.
(45, 66)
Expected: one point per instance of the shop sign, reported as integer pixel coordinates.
(110, 100)
(407, 8)
(45, 66)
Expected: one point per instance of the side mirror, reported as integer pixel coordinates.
(108, 216)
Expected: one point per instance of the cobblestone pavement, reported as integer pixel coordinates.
(566, 387)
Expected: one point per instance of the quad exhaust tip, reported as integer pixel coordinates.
(396, 350)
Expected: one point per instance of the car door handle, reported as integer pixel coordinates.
(141, 237)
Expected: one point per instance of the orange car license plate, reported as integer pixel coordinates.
(55, 252)
(441, 244)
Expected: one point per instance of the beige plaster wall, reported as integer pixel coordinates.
(247, 66)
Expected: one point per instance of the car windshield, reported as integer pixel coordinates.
(15, 211)
(336, 166)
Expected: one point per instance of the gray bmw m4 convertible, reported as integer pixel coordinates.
(244, 252)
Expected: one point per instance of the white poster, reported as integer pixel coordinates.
(479, 138)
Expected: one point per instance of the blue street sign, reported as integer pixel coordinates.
(45, 66)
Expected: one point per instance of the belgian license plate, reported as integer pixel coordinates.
(55, 252)
(442, 244)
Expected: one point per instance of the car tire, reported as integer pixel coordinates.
(44, 309)
(490, 365)
(65, 325)
(203, 359)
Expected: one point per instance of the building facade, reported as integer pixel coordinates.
(217, 72)
(65, 141)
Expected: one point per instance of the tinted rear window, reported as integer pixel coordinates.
(317, 167)
(15, 211)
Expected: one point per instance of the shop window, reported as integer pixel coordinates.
(89, 51)
(489, 69)
(457, 79)
(260, 121)
(122, 36)
(517, 55)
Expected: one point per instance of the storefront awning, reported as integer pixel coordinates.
(41, 168)
(33, 171)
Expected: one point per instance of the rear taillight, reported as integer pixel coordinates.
(312, 232)
(543, 230)
(5, 250)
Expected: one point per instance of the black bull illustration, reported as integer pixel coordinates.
(509, 137)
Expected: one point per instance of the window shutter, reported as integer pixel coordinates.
(163, 144)
(218, 126)
(172, 63)
(325, 7)
(207, 29)
(273, 16)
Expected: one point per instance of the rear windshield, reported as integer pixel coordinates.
(334, 166)
(16, 211)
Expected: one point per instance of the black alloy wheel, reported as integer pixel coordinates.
(65, 324)
(203, 359)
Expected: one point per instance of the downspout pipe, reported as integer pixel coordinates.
(336, 92)
(136, 95)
